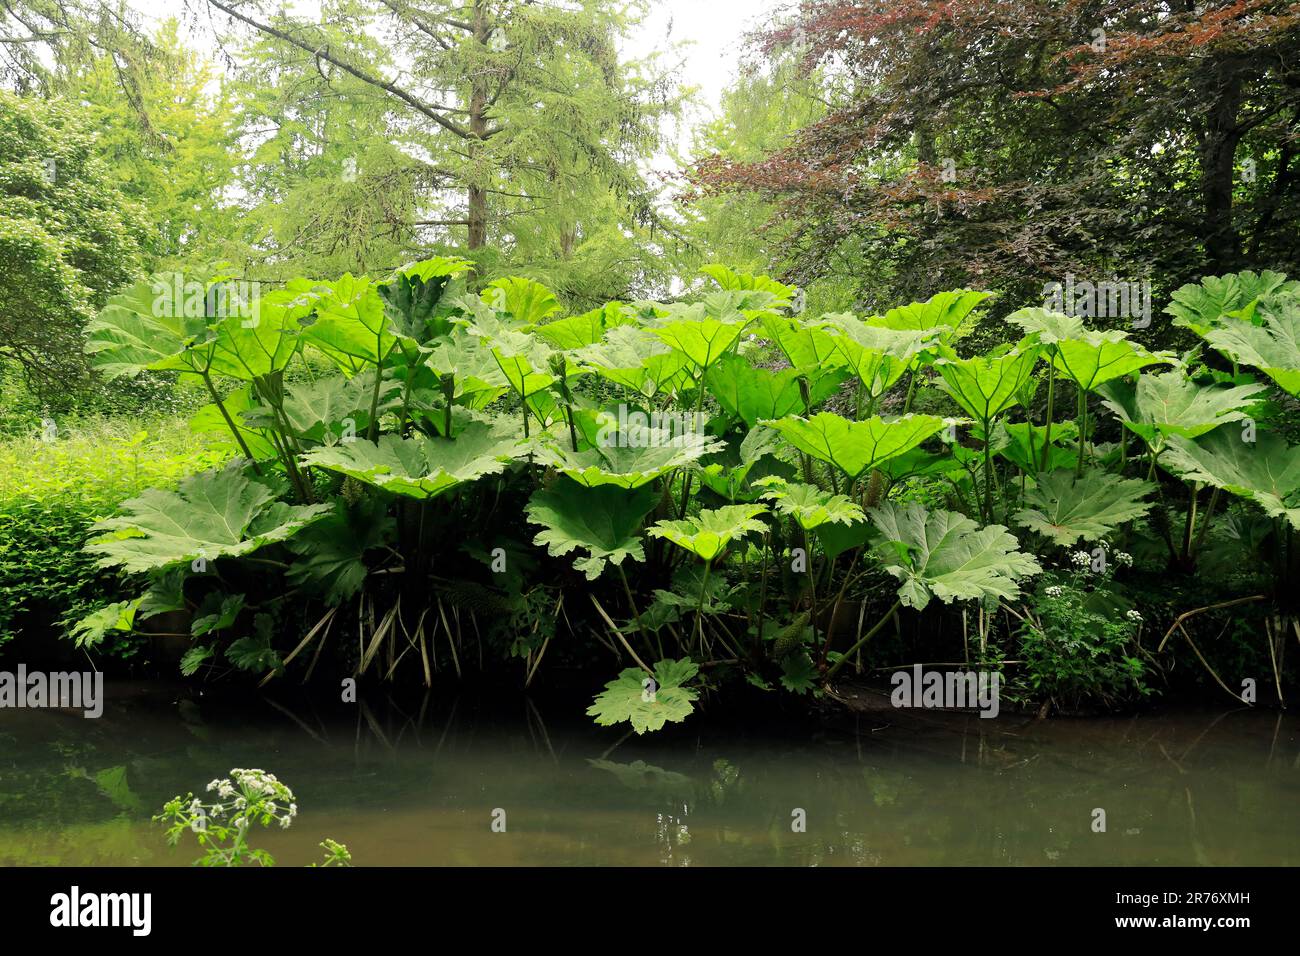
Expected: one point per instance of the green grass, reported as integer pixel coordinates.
(51, 492)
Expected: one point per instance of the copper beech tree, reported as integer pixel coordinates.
(1006, 143)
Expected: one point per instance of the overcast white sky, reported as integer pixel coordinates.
(715, 29)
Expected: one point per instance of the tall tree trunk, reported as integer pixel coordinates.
(478, 124)
(1218, 170)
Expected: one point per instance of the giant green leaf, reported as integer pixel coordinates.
(1021, 443)
(804, 346)
(1271, 345)
(1169, 403)
(580, 331)
(528, 302)
(707, 534)
(628, 458)
(750, 392)
(263, 343)
(1098, 357)
(947, 310)
(1065, 508)
(647, 702)
(877, 355)
(419, 467)
(636, 359)
(1049, 327)
(947, 555)
(210, 515)
(150, 326)
(477, 378)
(413, 296)
(1201, 306)
(809, 505)
(331, 553)
(602, 521)
(349, 323)
(986, 386)
(730, 280)
(1266, 470)
(856, 447)
(703, 342)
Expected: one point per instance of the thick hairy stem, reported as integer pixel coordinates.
(1190, 524)
(699, 608)
(762, 596)
(230, 423)
(1205, 521)
(911, 390)
(373, 431)
(863, 640)
(631, 602)
(988, 473)
(1047, 435)
(1083, 428)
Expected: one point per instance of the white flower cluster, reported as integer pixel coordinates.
(1081, 558)
(1134, 616)
(1054, 591)
(251, 792)
(1123, 558)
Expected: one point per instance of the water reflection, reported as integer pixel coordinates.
(417, 783)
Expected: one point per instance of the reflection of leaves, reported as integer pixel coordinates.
(641, 776)
(113, 784)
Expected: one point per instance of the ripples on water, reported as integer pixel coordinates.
(418, 785)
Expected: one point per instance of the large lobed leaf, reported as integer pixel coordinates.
(1160, 405)
(1065, 508)
(602, 521)
(947, 555)
(648, 706)
(214, 514)
(1098, 357)
(630, 458)
(708, 533)
(856, 447)
(1272, 345)
(1266, 470)
(419, 467)
(986, 386)
(1201, 306)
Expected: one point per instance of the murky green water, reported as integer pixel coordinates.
(411, 786)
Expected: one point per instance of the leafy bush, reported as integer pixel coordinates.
(427, 466)
(1079, 648)
(52, 489)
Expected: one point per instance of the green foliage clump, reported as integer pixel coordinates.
(52, 491)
